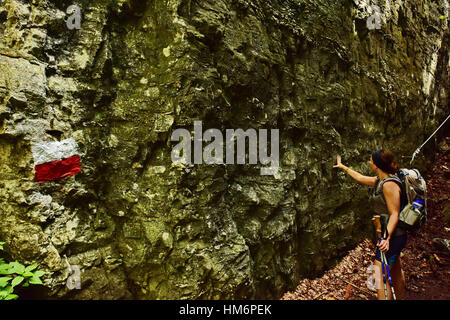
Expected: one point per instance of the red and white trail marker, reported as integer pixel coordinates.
(55, 160)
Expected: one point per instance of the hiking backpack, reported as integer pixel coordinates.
(413, 209)
(414, 213)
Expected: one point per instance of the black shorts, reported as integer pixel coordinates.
(396, 244)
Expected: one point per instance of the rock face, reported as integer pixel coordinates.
(140, 227)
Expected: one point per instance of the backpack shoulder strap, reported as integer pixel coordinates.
(393, 178)
(396, 179)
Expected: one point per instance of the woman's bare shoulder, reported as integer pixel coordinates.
(391, 187)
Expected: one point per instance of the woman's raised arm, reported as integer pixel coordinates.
(366, 180)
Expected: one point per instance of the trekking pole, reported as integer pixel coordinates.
(377, 224)
(384, 262)
(383, 255)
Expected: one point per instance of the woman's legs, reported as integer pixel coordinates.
(380, 283)
(396, 244)
(398, 279)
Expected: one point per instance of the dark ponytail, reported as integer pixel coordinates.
(385, 160)
(389, 159)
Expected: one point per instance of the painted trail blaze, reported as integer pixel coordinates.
(56, 160)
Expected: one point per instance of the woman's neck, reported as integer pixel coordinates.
(383, 175)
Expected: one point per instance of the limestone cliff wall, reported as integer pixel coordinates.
(142, 228)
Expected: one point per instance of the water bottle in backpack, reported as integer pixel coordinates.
(414, 214)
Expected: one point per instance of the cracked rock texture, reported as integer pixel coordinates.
(140, 227)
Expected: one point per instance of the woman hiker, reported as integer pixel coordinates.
(382, 162)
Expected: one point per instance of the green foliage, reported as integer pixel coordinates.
(16, 274)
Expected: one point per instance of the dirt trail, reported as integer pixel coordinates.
(426, 265)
